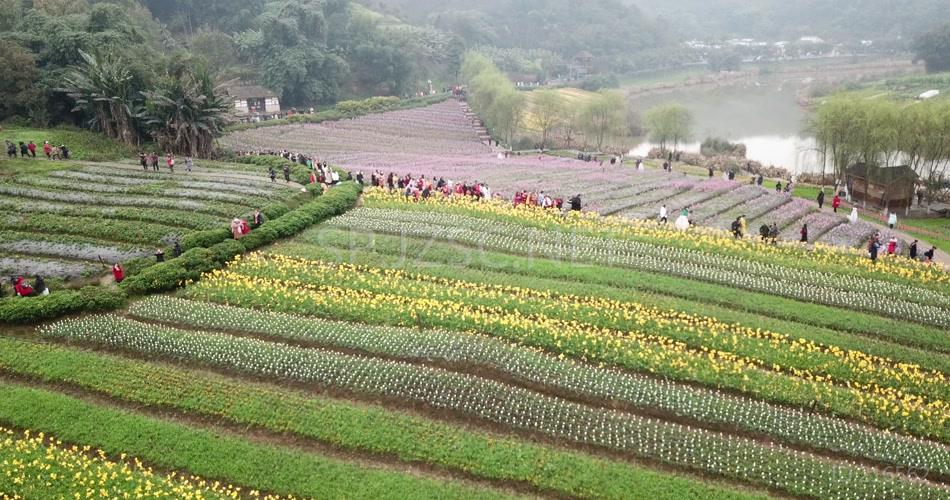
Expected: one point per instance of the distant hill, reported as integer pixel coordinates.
(835, 20)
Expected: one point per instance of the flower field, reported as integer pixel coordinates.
(70, 220)
(377, 346)
(440, 141)
(449, 348)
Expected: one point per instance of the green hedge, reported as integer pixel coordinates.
(170, 275)
(59, 303)
(207, 250)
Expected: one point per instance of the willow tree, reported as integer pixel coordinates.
(670, 124)
(547, 109)
(604, 115)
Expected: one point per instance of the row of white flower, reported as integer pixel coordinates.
(773, 466)
(536, 368)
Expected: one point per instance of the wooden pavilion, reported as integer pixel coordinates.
(882, 187)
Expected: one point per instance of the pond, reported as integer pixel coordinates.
(762, 114)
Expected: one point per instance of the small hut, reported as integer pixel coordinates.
(253, 102)
(882, 187)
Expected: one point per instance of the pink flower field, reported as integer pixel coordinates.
(441, 141)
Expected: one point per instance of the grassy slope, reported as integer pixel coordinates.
(82, 144)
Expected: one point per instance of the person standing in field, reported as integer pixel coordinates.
(913, 250)
(118, 273)
(873, 247)
(189, 163)
(170, 161)
(143, 161)
(32, 148)
(836, 202)
(287, 173)
(272, 174)
(821, 198)
(892, 220)
(892, 246)
(804, 233)
(48, 150)
(664, 217)
(24, 150)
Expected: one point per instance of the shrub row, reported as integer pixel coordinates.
(207, 250)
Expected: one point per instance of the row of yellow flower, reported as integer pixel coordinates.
(871, 368)
(697, 237)
(636, 350)
(33, 465)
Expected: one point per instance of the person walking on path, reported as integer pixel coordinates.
(821, 198)
(913, 250)
(892, 220)
(778, 187)
(170, 161)
(835, 203)
(663, 215)
(287, 173)
(853, 218)
(272, 174)
(143, 161)
(118, 273)
(32, 148)
(804, 233)
(189, 163)
(24, 150)
(48, 150)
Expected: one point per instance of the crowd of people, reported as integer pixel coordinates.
(27, 150)
(424, 188)
(151, 161)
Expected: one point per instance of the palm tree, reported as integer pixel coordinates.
(186, 112)
(103, 90)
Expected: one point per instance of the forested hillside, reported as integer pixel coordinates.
(311, 52)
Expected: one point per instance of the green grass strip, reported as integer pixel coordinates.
(750, 309)
(350, 426)
(211, 455)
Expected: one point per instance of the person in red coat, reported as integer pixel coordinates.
(836, 202)
(118, 273)
(48, 150)
(22, 288)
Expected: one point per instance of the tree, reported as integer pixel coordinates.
(102, 88)
(186, 112)
(60, 8)
(934, 49)
(604, 115)
(669, 125)
(18, 87)
(724, 60)
(548, 112)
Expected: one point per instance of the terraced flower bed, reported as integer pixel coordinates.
(79, 218)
